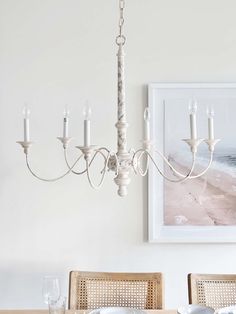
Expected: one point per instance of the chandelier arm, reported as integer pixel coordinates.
(162, 173)
(140, 170)
(204, 171)
(103, 174)
(106, 158)
(171, 180)
(169, 164)
(135, 163)
(104, 148)
(53, 179)
(182, 175)
(68, 165)
(84, 171)
(143, 173)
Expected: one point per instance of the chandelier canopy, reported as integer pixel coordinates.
(124, 161)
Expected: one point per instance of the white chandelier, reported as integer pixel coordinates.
(124, 161)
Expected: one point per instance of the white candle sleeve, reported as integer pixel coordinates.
(26, 130)
(210, 128)
(86, 133)
(193, 126)
(147, 131)
(65, 127)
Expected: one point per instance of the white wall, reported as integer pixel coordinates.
(54, 52)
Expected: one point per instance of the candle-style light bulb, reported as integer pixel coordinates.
(26, 114)
(192, 106)
(193, 125)
(65, 121)
(147, 117)
(87, 116)
(146, 114)
(210, 112)
(26, 111)
(87, 111)
(210, 115)
(66, 112)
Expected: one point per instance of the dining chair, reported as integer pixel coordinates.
(91, 290)
(215, 291)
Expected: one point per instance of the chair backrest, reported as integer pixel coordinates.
(91, 290)
(215, 291)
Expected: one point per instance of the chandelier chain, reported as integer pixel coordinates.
(120, 39)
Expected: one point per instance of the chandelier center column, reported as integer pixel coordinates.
(124, 159)
(121, 124)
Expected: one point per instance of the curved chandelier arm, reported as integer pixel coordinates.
(90, 162)
(188, 175)
(179, 173)
(132, 153)
(204, 171)
(68, 165)
(139, 170)
(103, 172)
(142, 173)
(53, 179)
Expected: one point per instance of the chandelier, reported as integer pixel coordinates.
(124, 161)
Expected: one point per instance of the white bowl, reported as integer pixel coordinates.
(116, 310)
(195, 309)
(227, 310)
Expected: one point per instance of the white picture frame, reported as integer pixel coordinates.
(158, 232)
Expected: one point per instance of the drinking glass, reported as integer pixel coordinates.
(51, 289)
(58, 306)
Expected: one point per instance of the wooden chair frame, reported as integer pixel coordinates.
(221, 287)
(120, 290)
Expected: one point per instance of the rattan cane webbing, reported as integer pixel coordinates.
(95, 290)
(216, 292)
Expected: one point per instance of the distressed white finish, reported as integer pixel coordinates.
(124, 158)
(54, 228)
(123, 161)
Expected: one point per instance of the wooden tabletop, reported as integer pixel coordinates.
(77, 312)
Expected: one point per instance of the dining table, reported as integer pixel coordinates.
(15, 311)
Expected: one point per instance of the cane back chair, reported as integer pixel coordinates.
(91, 290)
(215, 291)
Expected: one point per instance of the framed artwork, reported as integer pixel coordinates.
(202, 209)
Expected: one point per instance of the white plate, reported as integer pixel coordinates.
(227, 310)
(195, 309)
(116, 310)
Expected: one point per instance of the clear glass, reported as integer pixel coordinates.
(51, 289)
(87, 111)
(66, 111)
(146, 114)
(210, 112)
(192, 106)
(26, 111)
(58, 306)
